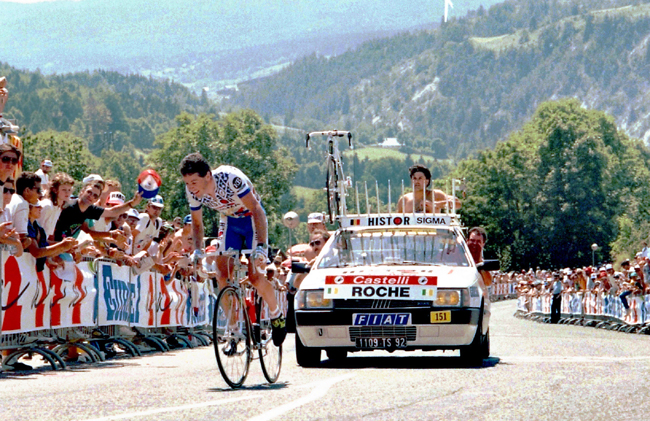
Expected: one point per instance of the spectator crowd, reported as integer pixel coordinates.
(627, 280)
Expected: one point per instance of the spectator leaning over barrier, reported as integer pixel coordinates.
(110, 186)
(57, 196)
(39, 247)
(591, 282)
(183, 240)
(625, 265)
(148, 225)
(43, 173)
(9, 157)
(28, 190)
(76, 212)
(7, 233)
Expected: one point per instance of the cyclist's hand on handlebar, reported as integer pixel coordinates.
(196, 257)
(260, 258)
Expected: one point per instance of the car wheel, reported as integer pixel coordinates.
(305, 356)
(335, 355)
(474, 353)
(485, 345)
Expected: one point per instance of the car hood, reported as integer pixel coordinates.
(448, 276)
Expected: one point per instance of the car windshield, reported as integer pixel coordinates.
(395, 247)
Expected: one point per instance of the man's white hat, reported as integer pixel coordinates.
(157, 201)
(92, 178)
(115, 198)
(134, 213)
(315, 218)
(48, 163)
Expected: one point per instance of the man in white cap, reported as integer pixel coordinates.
(315, 222)
(46, 167)
(148, 225)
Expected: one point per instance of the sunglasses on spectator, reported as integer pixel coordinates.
(8, 190)
(315, 243)
(8, 159)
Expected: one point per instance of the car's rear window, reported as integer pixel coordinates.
(395, 247)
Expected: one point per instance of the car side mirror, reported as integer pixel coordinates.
(489, 265)
(300, 267)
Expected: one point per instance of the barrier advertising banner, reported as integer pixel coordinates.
(143, 304)
(23, 295)
(115, 290)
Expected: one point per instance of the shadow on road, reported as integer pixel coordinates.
(265, 386)
(407, 362)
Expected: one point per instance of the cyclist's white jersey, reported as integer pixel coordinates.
(230, 186)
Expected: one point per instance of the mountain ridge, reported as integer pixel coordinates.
(459, 89)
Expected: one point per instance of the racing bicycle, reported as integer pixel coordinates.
(241, 325)
(336, 183)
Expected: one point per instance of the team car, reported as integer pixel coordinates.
(393, 282)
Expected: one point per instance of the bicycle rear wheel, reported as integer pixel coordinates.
(232, 337)
(270, 355)
(332, 191)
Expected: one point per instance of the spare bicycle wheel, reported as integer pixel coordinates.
(232, 337)
(332, 191)
(270, 355)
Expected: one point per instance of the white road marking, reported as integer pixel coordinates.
(567, 359)
(132, 415)
(320, 390)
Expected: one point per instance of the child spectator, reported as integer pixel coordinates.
(39, 247)
(28, 190)
(58, 195)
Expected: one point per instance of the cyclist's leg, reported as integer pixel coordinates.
(225, 264)
(263, 286)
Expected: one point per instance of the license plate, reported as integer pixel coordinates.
(381, 343)
(441, 317)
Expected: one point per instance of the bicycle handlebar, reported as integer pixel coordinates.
(235, 254)
(330, 133)
(230, 253)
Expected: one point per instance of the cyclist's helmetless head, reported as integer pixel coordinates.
(196, 173)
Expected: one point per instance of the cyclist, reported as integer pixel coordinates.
(243, 225)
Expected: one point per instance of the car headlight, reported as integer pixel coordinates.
(449, 298)
(313, 298)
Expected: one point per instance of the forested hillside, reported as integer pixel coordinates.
(107, 109)
(568, 179)
(461, 88)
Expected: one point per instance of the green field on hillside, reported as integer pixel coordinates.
(303, 192)
(374, 153)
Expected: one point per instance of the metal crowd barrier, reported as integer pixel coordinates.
(597, 309)
(97, 309)
(502, 291)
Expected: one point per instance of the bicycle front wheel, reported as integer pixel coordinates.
(332, 190)
(232, 337)
(270, 355)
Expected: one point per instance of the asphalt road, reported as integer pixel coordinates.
(537, 372)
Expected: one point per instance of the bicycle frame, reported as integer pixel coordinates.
(240, 298)
(336, 184)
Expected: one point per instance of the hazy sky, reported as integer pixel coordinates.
(32, 1)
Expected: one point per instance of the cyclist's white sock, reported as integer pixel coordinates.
(275, 313)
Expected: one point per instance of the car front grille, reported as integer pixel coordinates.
(410, 332)
(379, 304)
